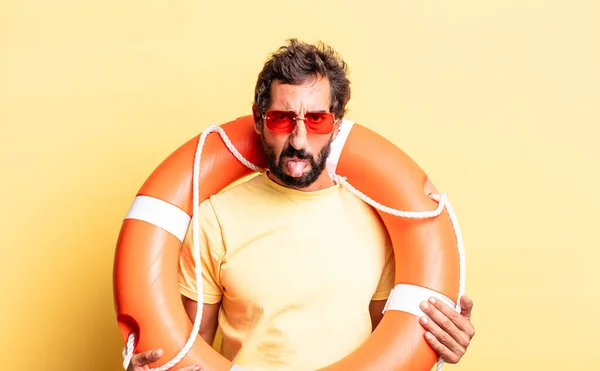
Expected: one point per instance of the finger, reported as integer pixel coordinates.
(460, 321)
(142, 359)
(446, 321)
(465, 311)
(441, 349)
(442, 337)
(466, 305)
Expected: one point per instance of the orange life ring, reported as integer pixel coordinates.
(428, 249)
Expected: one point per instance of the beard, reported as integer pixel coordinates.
(276, 167)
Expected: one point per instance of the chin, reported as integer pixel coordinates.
(304, 175)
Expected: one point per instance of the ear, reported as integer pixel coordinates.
(258, 121)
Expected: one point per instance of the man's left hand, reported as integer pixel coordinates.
(449, 333)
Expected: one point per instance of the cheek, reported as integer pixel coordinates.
(276, 142)
(317, 142)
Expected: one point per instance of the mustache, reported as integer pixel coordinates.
(290, 151)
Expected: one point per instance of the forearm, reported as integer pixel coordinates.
(209, 332)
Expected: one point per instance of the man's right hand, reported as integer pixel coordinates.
(140, 361)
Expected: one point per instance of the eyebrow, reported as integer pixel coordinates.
(291, 110)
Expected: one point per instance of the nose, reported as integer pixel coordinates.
(298, 138)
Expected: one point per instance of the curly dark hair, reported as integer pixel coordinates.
(298, 62)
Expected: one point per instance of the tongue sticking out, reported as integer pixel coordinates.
(296, 168)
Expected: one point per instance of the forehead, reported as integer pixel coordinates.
(313, 95)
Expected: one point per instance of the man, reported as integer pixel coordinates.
(296, 270)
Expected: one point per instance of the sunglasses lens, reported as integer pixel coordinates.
(280, 122)
(319, 122)
(283, 122)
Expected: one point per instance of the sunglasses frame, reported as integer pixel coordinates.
(303, 119)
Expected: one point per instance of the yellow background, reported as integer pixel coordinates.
(498, 100)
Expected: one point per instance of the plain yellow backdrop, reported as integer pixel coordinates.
(499, 101)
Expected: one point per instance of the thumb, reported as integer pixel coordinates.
(466, 305)
(147, 357)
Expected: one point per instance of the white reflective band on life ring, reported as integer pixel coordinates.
(160, 213)
(338, 145)
(407, 298)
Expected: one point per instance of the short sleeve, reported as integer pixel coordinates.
(212, 251)
(386, 283)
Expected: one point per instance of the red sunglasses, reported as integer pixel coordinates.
(284, 122)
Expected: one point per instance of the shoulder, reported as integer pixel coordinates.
(240, 198)
(356, 203)
(228, 203)
(254, 185)
(360, 213)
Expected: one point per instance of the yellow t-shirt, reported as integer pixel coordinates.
(295, 271)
